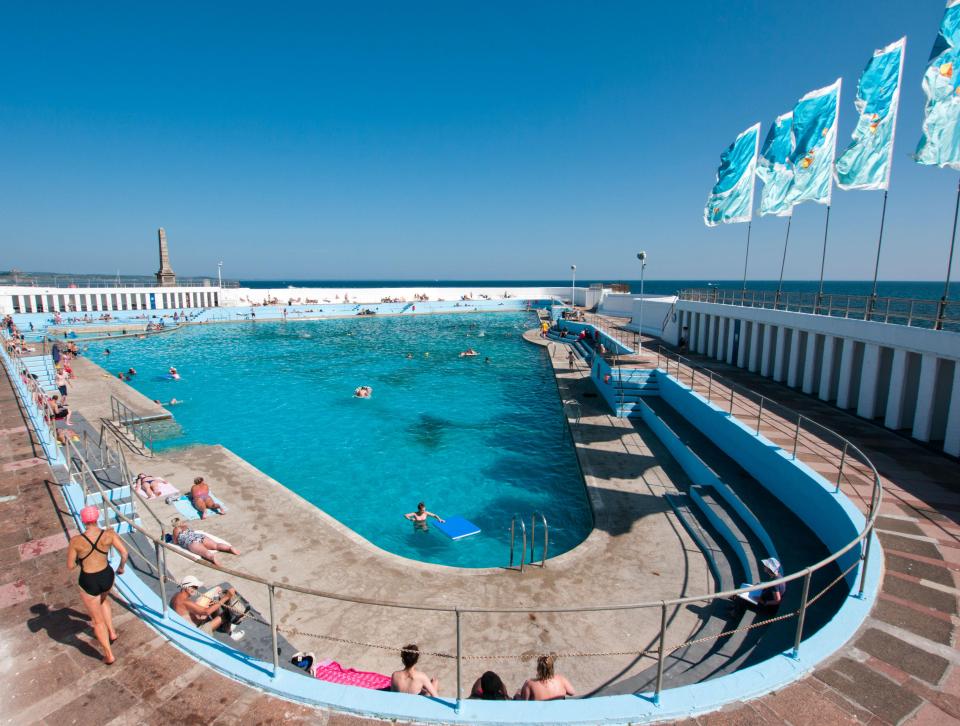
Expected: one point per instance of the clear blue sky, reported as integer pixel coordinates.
(447, 139)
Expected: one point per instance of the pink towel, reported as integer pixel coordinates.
(333, 672)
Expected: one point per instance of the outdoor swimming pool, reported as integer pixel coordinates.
(479, 439)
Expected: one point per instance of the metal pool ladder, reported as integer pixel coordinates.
(533, 537)
(517, 519)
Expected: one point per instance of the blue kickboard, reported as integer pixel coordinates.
(457, 527)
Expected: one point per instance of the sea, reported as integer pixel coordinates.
(919, 290)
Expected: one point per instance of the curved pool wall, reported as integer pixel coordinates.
(457, 433)
(678, 703)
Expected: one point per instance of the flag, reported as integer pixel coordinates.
(814, 132)
(866, 162)
(731, 199)
(940, 142)
(773, 167)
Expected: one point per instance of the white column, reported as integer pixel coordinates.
(768, 342)
(731, 327)
(869, 375)
(793, 368)
(780, 355)
(826, 367)
(703, 333)
(810, 364)
(951, 441)
(745, 328)
(846, 374)
(896, 410)
(722, 325)
(923, 416)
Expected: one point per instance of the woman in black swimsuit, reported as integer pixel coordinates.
(91, 550)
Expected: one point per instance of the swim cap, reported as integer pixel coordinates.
(89, 515)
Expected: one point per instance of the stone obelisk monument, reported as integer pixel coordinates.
(165, 277)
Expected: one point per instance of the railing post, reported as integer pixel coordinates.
(863, 565)
(796, 436)
(660, 652)
(710, 387)
(459, 663)
(162, 575)
(803, 613)
(759, 414)
(843, 459)
(273, 633)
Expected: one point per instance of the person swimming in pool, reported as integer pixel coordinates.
(419, 518)
(362, 392)
(468, 353)
(172, 373)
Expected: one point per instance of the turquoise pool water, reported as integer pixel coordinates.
(479, 439)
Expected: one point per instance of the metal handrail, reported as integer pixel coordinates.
(917, 312)
(533, 538)
(127, 418)
(523, 547)
(862, 537)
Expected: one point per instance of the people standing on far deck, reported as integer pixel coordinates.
(410, 680)
(90, 551)
(548, 685)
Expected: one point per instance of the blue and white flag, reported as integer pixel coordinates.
(814, 132)
(773, 167)
(940, 143)
(866, 162)
(731, 199)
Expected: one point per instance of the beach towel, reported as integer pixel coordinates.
(219, 540)
(165, 487)
(332, 672)
(184, 505)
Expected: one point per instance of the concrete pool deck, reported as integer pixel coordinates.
(901, 666)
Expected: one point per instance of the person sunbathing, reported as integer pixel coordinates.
(410, 680)
(59, 411)
(148, 486)
(202, 499)
(199, 543)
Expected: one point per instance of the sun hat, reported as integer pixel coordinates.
(89, 515)
(772, 564)
(190, 581)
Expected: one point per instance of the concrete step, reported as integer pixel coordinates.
(117, 495)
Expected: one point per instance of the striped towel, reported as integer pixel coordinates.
(333, 672)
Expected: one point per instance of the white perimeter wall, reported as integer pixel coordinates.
(656, 315)
(907, 378)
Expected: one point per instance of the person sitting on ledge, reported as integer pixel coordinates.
(59, 411)
(410, 680)
(198, 542)
(202, 499)
(489, 687)
(548, 685)
(204, 611)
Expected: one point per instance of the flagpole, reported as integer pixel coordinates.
(942, 307)
(876, 265)
(746, 256)
(823, 262)
(783, 262)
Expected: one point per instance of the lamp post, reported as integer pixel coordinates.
(220, 274)
(573, 283)
(642, 256)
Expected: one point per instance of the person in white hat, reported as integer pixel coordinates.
(206, 617)
(771, 596)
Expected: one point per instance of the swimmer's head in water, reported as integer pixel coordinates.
(421, 506)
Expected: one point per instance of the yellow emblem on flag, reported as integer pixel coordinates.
(946, 70)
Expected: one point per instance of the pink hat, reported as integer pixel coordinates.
(89, 515)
